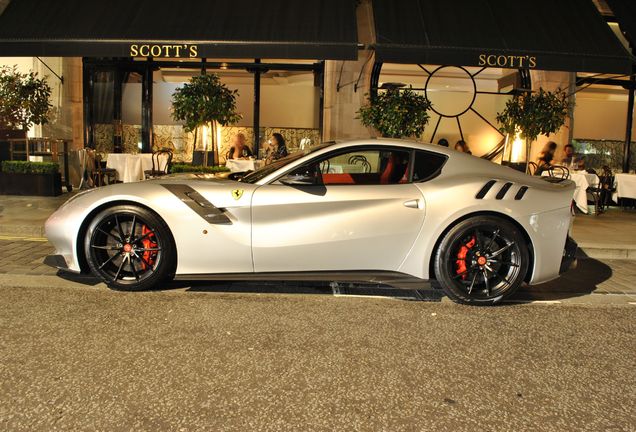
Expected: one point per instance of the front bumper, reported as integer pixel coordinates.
(568, 262)
(58, 262)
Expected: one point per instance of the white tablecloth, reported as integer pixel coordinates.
(240, 165)
(583, 180)
(625, 185)
(130, 167)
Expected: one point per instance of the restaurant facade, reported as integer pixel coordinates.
(303, 69)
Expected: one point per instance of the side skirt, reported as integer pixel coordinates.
(393, 279)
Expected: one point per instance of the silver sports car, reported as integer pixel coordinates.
(374, 209)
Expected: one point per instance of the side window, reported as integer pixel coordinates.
(364, 166)
(427, 165)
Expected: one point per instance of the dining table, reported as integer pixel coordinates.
(625, 186)
(242, 165)
(130, 167)
(582, 180)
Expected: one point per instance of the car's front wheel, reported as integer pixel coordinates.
(129, 248)
(482, 260)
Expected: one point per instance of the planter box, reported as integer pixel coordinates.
(31, 184)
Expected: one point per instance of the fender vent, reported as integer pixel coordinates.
(504, 189)
(521, 192)
(197, 203)
(484, 190)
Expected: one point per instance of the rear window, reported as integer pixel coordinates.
(427, 165)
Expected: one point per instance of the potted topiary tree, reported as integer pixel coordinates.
(24, 99)
(396, 113)
(205, 101)
(528, 115)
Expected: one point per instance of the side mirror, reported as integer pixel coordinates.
(299, 180)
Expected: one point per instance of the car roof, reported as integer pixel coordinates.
(335, 144)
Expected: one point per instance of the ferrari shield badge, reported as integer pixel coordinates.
(237, 194)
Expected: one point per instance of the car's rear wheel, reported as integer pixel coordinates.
(129, 248)
(482, 260)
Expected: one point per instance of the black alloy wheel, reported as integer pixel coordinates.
(129, 248)
(482, 260)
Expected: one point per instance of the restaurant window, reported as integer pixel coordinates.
(169, 133)
(103, 109)
(289, 102)
(290, 105)
(600, 121)
(113, 117)
(131, 113)
(465, 100)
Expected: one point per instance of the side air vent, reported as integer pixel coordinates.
(504, 189)
(521, 192)
(484, 190)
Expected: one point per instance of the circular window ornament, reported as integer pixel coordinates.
(437, 90)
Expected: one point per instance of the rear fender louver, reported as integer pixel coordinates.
(484, 190)
(504, 189)
(521, 192)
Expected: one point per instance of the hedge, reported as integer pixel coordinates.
(23, 167)
(186, 168)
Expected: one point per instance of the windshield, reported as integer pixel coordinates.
(263, 172)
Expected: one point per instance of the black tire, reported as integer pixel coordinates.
(482, 260)
(129, 248)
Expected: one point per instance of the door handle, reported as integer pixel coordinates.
(412, 204)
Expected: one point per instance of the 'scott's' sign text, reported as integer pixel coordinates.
(507, 61)
(164, 50)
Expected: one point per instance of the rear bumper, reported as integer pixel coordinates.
(568, 262)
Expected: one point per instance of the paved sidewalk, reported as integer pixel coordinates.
(24, 257)
(608, 235)
(25, 216)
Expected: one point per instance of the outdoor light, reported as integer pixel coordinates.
(218, 137)
(514, 153)
(204, 133)
(517, 153)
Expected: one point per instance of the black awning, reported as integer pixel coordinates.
(566, 35)
(324, 29)
(625, 13)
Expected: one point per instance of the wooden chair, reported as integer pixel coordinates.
(101, 173)
(559, 172)
(161, 161)
(602, 192)
(359, 159)
(532, 168)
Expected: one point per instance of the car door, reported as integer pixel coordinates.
(359, 213)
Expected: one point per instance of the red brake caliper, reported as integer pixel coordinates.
(461, 256)
(149, 242)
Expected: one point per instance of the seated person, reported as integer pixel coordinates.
(571, 159)
(546, 156)
(462, 146)
(239, 149)
(277, 148)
